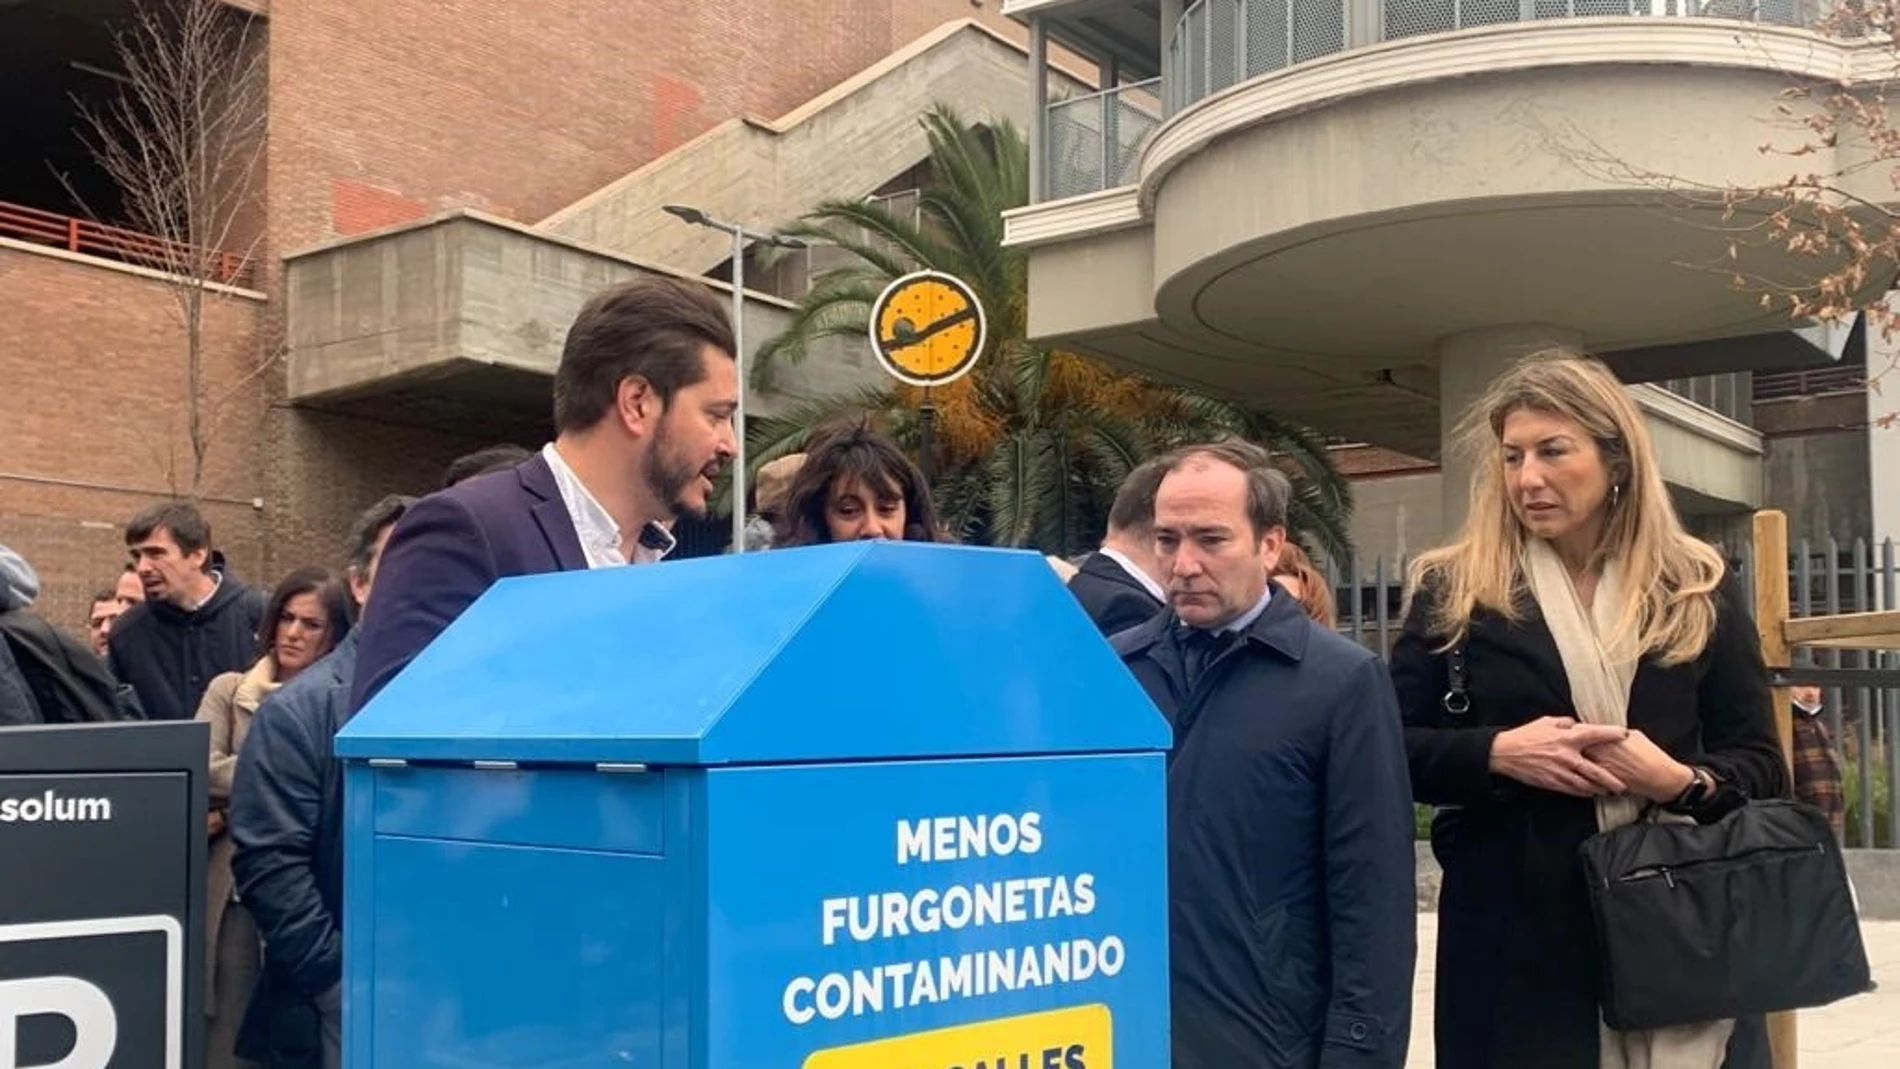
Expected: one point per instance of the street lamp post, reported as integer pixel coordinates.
(740, 235)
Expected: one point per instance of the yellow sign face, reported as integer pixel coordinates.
(927, 328)
(1075, 1038)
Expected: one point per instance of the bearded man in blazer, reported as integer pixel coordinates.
(644, 399)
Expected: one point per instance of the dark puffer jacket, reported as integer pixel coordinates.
(169, 656)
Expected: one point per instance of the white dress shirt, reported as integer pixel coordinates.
(599, 534)
(1147, 581)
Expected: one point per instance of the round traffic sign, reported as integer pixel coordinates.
(927, 328)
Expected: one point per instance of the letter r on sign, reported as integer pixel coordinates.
(95, 1025)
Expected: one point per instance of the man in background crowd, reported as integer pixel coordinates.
(1292, 926)
(1817, 761)
(19, 585)
(108, 605)
(1119, 585)
(46, 676)
(195, 624)
(769, 492)
(482, 462)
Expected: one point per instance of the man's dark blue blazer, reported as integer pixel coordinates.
(447, 550)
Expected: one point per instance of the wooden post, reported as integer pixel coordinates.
(1771, 622)
(1771, 614)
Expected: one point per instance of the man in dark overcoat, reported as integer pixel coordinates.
(1291, 895)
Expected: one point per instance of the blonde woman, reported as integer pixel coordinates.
(307, 615)
(1572, 657)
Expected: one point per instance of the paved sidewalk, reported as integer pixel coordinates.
(1859, 1033)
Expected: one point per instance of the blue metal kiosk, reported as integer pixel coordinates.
(866, 806)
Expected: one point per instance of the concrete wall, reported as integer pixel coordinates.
(385, 113)
(1273, 212)
(1822, 481)
(845, 143)
(1396, 517)
(447, 299)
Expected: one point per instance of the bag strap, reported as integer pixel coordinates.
(1457, 700)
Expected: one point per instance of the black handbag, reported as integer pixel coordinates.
(1700, 922)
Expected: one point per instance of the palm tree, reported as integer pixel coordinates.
(1031, 445)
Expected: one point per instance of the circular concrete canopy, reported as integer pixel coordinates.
(1622, 274)
(1369, 205)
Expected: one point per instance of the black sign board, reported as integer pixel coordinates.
(102, 828)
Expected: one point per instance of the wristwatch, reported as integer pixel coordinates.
(1701, 786)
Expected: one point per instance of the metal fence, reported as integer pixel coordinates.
(1095, 140)
(1828, 578)
(1825, 578)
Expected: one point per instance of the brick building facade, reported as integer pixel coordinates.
(379, 115)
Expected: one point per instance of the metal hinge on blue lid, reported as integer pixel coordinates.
(387, 762)
(495, 766)
(619, 766)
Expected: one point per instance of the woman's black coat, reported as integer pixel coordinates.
(1516, 973)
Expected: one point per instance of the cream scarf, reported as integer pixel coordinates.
(1601, 666)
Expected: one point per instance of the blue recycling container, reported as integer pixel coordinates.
(864, 806)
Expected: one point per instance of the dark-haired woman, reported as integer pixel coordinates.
(307, 615)
(857, 484)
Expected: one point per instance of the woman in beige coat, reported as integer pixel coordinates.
(306, 617)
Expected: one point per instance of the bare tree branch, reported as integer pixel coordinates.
(1821, 244)
(215, 408)
(184, 143)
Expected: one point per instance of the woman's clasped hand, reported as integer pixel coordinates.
(1550, 752)
(1559, 753)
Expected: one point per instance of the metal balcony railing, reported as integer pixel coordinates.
(1217, 43)
(1728, 394)
(1782, 385)
(128, 246)
(1406, 18)
(1095, 140)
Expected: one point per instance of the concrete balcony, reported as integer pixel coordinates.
(1193, 49)
(1361, 237)
(457, 322)
(1713, 461)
